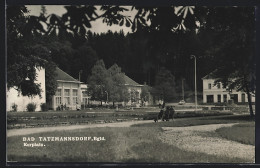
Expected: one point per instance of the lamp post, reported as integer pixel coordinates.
(107, 95)
(195, 80)
(182, 89)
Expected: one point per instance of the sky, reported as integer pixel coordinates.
(98, 26)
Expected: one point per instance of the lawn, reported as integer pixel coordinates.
(139, 143)
(243, 133)
(181, 122)
(54, 118)
(133, 144)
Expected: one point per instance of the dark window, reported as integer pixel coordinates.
(243, 97)
(219, 98)
(234, 97)
(224, 98)
(209, 98)
(209, 86)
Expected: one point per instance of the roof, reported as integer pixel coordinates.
(61, 75)
(129, 81)
(210, 75)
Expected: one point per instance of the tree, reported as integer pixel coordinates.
(99, 81)
(233, 48)
(145, 93)
(83, 60)
(21, 29)
(117, 90)
(164, 85)
(22, 59)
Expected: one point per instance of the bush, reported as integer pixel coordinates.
(31, 107)
(44, 107)
(14, 107)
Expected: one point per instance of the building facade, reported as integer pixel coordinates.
(85, 97)
(68, 95)
(218, 94)
(14, 98)
(134, 91)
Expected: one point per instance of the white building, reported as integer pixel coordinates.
(70, 92)
(85, 98)
(217, 94)
(13, 97)
(134, 90)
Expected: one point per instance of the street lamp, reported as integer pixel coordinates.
(107, 95)
(195, 80)
(182, 88)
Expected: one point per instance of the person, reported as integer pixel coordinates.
(166, 113)
(172, 111)
(77, 106)
(65, 106)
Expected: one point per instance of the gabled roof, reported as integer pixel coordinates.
(63, 76)
(210, 75)
(129, 81)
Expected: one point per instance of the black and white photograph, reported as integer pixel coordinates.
(130, 84)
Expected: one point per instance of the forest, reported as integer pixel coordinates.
(221, 38)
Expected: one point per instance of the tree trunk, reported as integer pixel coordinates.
(249, 102)
(101, 102)
(113, 104)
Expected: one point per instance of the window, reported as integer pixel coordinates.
(84, 94)
(66, 96)
(219, 98)
(218, 85)
(58, 97)
(210, 98)
(224, 98)
(58, 92)
(75, 96)
(58, 100)
(209, 86)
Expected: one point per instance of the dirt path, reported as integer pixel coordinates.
(27, 131)
(192, 139)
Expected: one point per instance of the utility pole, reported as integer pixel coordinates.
(195, 80)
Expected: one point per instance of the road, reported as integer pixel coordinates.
(28, 131)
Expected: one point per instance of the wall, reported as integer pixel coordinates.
(71, 86)
(12, 95)
(222, 91)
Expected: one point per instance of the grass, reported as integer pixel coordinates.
(243, 133)
(128, 145)
(139, 143)
(199, 121)
(53, 118)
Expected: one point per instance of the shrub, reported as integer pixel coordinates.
(31, 107)
(44, 107)
(14, 107)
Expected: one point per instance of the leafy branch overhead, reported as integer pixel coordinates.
(222, 38)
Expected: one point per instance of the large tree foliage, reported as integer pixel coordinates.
(117, 89)
(233, 48)
(23, 56)
(164, 85)
(22, 30)
(222, 38)
(99, 81)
